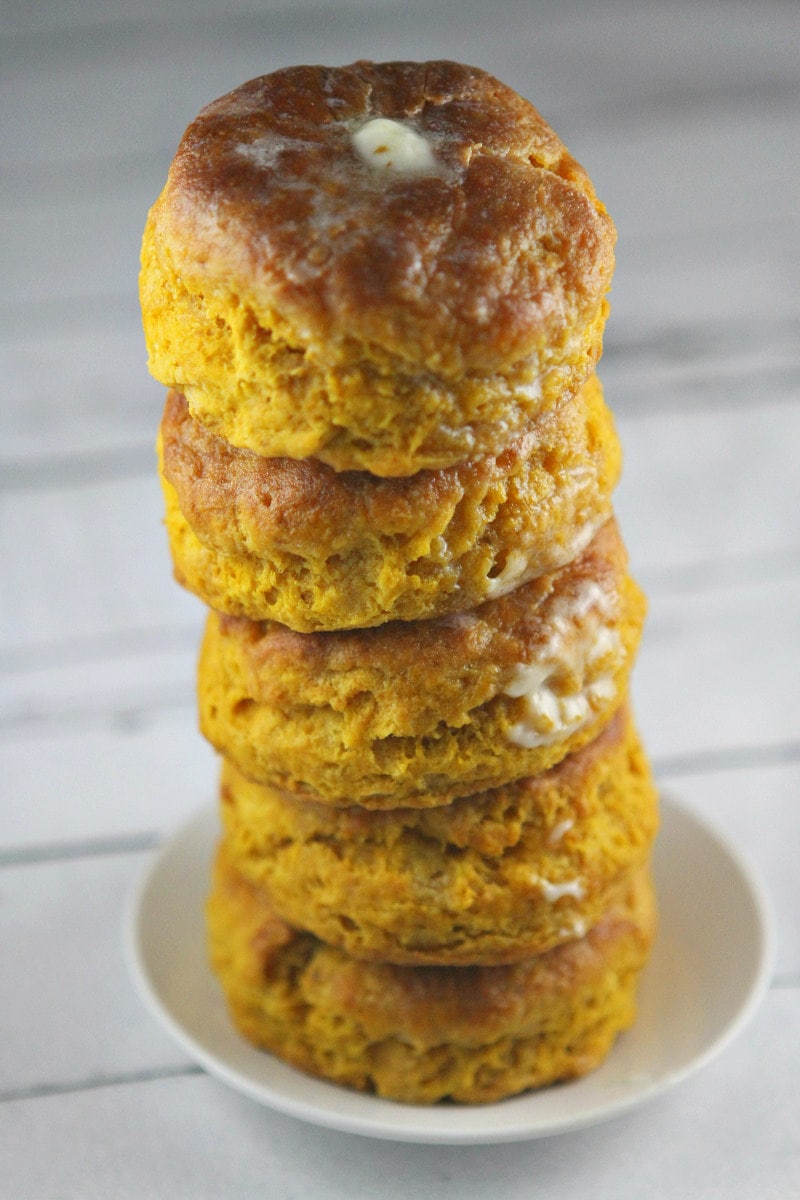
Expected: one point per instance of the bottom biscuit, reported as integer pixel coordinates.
(425, 1034)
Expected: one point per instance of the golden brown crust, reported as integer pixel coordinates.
(417, 713)
(467, 279)
(491, 878)
(297, 543)
(423, 1034)
(277, 265)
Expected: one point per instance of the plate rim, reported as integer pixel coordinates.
(456, 1125)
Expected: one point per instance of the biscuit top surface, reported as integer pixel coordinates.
(424, 208)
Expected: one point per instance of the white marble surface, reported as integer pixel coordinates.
(686, 115)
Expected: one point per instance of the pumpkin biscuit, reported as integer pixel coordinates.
(314, 297)
(415, 714)
(490, 878)
(425, 1034)
(295, 542)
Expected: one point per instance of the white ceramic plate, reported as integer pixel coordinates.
(709, 968)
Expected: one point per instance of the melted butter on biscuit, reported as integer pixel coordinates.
(553, 892)
(573, 674)
(391, 145)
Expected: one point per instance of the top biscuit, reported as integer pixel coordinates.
(387, 266)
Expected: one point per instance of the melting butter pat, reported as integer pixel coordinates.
(391, 145)
(554, 891)
(573, 674)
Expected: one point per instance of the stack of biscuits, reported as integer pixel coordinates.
(377, 295)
